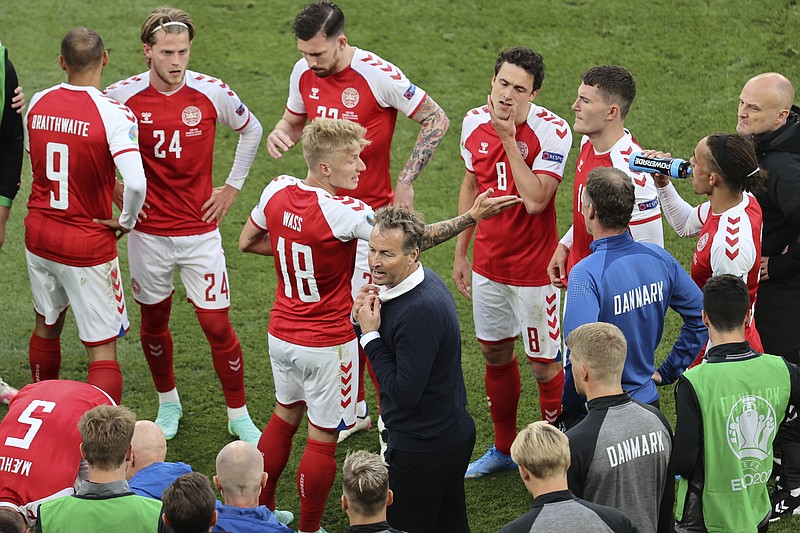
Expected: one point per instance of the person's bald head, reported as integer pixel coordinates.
(764, 103)
(148, 445)
(240, 473)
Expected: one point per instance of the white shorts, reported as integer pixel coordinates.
(95, 294)
(502, 311)
(361, 275)
(322, 378)
(200, 260)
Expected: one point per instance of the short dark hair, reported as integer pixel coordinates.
(526, 59)
(319, 17)
(611, 193)
(189, 503)
(734, 158)
(615, 83)
(12, 521)
(106, 433)
(410, 223)
(726, 302)
(82, 48)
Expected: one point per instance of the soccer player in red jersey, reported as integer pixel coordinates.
(604, 99)
(178, 111)
(725, 168)
(313, 234)
(337, 80)
(513, 145)
(76, 137)
(40, 456)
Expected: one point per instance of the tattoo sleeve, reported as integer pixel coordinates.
(438, 232)
(434, 125)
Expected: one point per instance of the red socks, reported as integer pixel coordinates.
(502, 391)
(275, 445)
(107, 376)
(44, 356)
(157, 343)
(226, 352)
(550, 393)
(315, 477)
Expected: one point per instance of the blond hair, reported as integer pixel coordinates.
(332, 138)
(602, 348)
(365, 482)
(542, 449)
(106, 433)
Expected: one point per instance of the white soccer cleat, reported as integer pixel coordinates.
(361, 424)
(7, 392)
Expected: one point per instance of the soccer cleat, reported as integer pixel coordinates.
(491, 462)
(244, 428)
(783, 504)
(362, 423)
(284, 517)
(169, 414)
(7, 392)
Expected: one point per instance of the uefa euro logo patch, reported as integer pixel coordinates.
(133, 134)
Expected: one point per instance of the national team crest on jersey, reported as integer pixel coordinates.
(523, 149)
(702, 241)
(350, 98)
(191, 116)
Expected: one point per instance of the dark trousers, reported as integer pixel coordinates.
(428, 489)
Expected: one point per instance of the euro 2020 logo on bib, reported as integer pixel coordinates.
(750, 427)
(191, 116)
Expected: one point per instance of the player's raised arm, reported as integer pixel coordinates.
(434, 125)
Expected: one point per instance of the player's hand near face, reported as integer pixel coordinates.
(485, 206)
(557, 269)
(662, 180)
(369, 316)
(217, 206)
(506, 128)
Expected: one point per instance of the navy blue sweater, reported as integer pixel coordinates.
(418, 363)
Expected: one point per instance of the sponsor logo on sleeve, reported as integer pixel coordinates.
(650, 204)
(554, 157)
(409, 94)
(240, 110)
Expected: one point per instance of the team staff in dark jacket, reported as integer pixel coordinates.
(728, 411)
(543, 455)
(412, 337)
(766, 112)
(621, 451)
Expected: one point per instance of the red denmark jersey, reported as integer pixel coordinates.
(177, 142)
(39, 440)
(729, 243)
(646, 217)
(314, 237)
(369, 91)
(514, 247)
(74, 133)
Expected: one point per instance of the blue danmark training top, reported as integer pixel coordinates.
(631, 285)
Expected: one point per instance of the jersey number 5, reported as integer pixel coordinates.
(303, 266)
(35, 424)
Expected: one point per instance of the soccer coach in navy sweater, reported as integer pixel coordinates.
(412, 338)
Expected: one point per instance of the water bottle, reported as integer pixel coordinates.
(673, 167)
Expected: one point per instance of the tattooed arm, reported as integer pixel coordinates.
(434, 125)
(484, 207)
